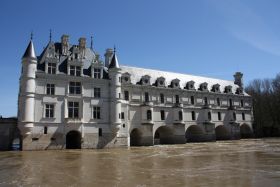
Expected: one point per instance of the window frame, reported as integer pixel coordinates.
(74, 109)
(75, 88)
(96, 112)
(49, 110)
(50, 89)
(51, 68)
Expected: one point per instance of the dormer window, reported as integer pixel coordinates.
(216, 88)
(75, 70)
(175, 83)
(145, 80)
(126, 78)
(97, 73)
(204, 87)
(228, 89)
(51, 68)
(190, 85)
(239, 91)
(160, 82)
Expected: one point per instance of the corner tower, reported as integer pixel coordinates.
(115, 95)
(26, 98)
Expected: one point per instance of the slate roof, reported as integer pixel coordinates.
(29, 52)
(136, 74)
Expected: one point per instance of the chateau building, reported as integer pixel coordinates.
(69, 98)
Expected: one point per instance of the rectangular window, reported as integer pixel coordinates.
(96, 92)
(234, 116)
(241, 103)
(50, 89)
(205, 101)
(149, 115)
(96, 112)
(209, 116)
(192, 100)
(75, 70)
(51, 68)
(243, 116)
(126, 95)
(230, 102)
(73, 109)
(122, 115)
(146, 97)
(75, 88)
(99, 132)
(49, 110)
(219, 116)
(97, 73)
(162, 115)
(45, 130)
(177, 99)
(161, 98)
(193, 115)
(180, 115)
(218, 102)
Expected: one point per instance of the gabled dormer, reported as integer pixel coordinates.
(160, 82)
(175, 83)
(97, 68)
(203, 87)
(190, 85)
(145, 80)
(126, 78)
(239, 91)
(216, 88)
(228, 89)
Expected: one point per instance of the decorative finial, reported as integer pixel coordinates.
(91, 43)
(114, 49)
(31, 35)
(50, 35)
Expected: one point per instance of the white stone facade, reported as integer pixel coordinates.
(69, 98)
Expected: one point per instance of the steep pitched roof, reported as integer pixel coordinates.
(29, 52)
(114, 62)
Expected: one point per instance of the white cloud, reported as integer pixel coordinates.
(244, 24)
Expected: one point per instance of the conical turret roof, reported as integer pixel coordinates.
(114, 62)
(29, 52)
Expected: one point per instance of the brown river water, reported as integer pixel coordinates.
(254, 162)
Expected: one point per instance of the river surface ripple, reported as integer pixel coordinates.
(254, 162)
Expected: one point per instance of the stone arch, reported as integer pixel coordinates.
(16, 142)
(222, 133)
(194, 133)
(135, 137)
(73, 140)
(163, 135)
(246, 131)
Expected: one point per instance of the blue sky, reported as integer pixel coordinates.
(213, 38)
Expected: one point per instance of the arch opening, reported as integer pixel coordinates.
(73, 140)
(194, 133)
(222, 133)
(163, 135)
(135, 137)
(246, 131)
